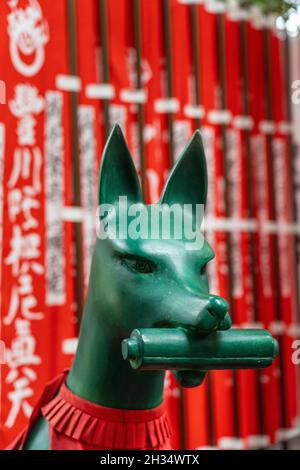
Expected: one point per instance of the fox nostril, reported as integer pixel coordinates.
(211, 312)
(211, 317)
(218, 307)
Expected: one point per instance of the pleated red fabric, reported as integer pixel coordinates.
(78, 424)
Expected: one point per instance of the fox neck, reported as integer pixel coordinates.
(100, 375)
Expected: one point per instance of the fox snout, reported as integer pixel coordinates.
(215, 316)
(203, 315)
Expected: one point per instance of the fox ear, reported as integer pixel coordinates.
(187, 183)
(118, 176)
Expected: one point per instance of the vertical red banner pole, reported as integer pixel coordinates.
(90, 124)
(199, 423)
(176, 407)
(105, 70)
(155, 129)
(139, 84)
(72, 44)
(169, 72)
(233, 440)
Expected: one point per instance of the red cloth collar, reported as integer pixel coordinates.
(106, 427)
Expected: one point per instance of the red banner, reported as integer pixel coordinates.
(156, 141)
(35, 251)
(281, 164)
(90, 121)
(244, 309)
(216, 424)
(266, 274)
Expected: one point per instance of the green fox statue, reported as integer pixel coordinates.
(158, 288)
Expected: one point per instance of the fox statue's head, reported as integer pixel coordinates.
(143, 281)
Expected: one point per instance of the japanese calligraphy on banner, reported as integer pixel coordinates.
(23, 304)
(90, 122)
(33, 239)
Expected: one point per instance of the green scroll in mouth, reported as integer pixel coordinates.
(190, 355)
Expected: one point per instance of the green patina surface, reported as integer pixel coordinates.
(153, 284)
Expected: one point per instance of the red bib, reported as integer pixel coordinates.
(78, 424)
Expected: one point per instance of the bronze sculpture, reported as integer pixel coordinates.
(159, 287)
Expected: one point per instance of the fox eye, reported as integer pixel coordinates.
(139, 265)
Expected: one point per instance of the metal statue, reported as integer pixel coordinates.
(148, 309)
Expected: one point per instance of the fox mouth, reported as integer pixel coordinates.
(194, 378)
(201, 328)
(190, 355)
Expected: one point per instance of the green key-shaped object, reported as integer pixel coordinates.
(178, 349)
